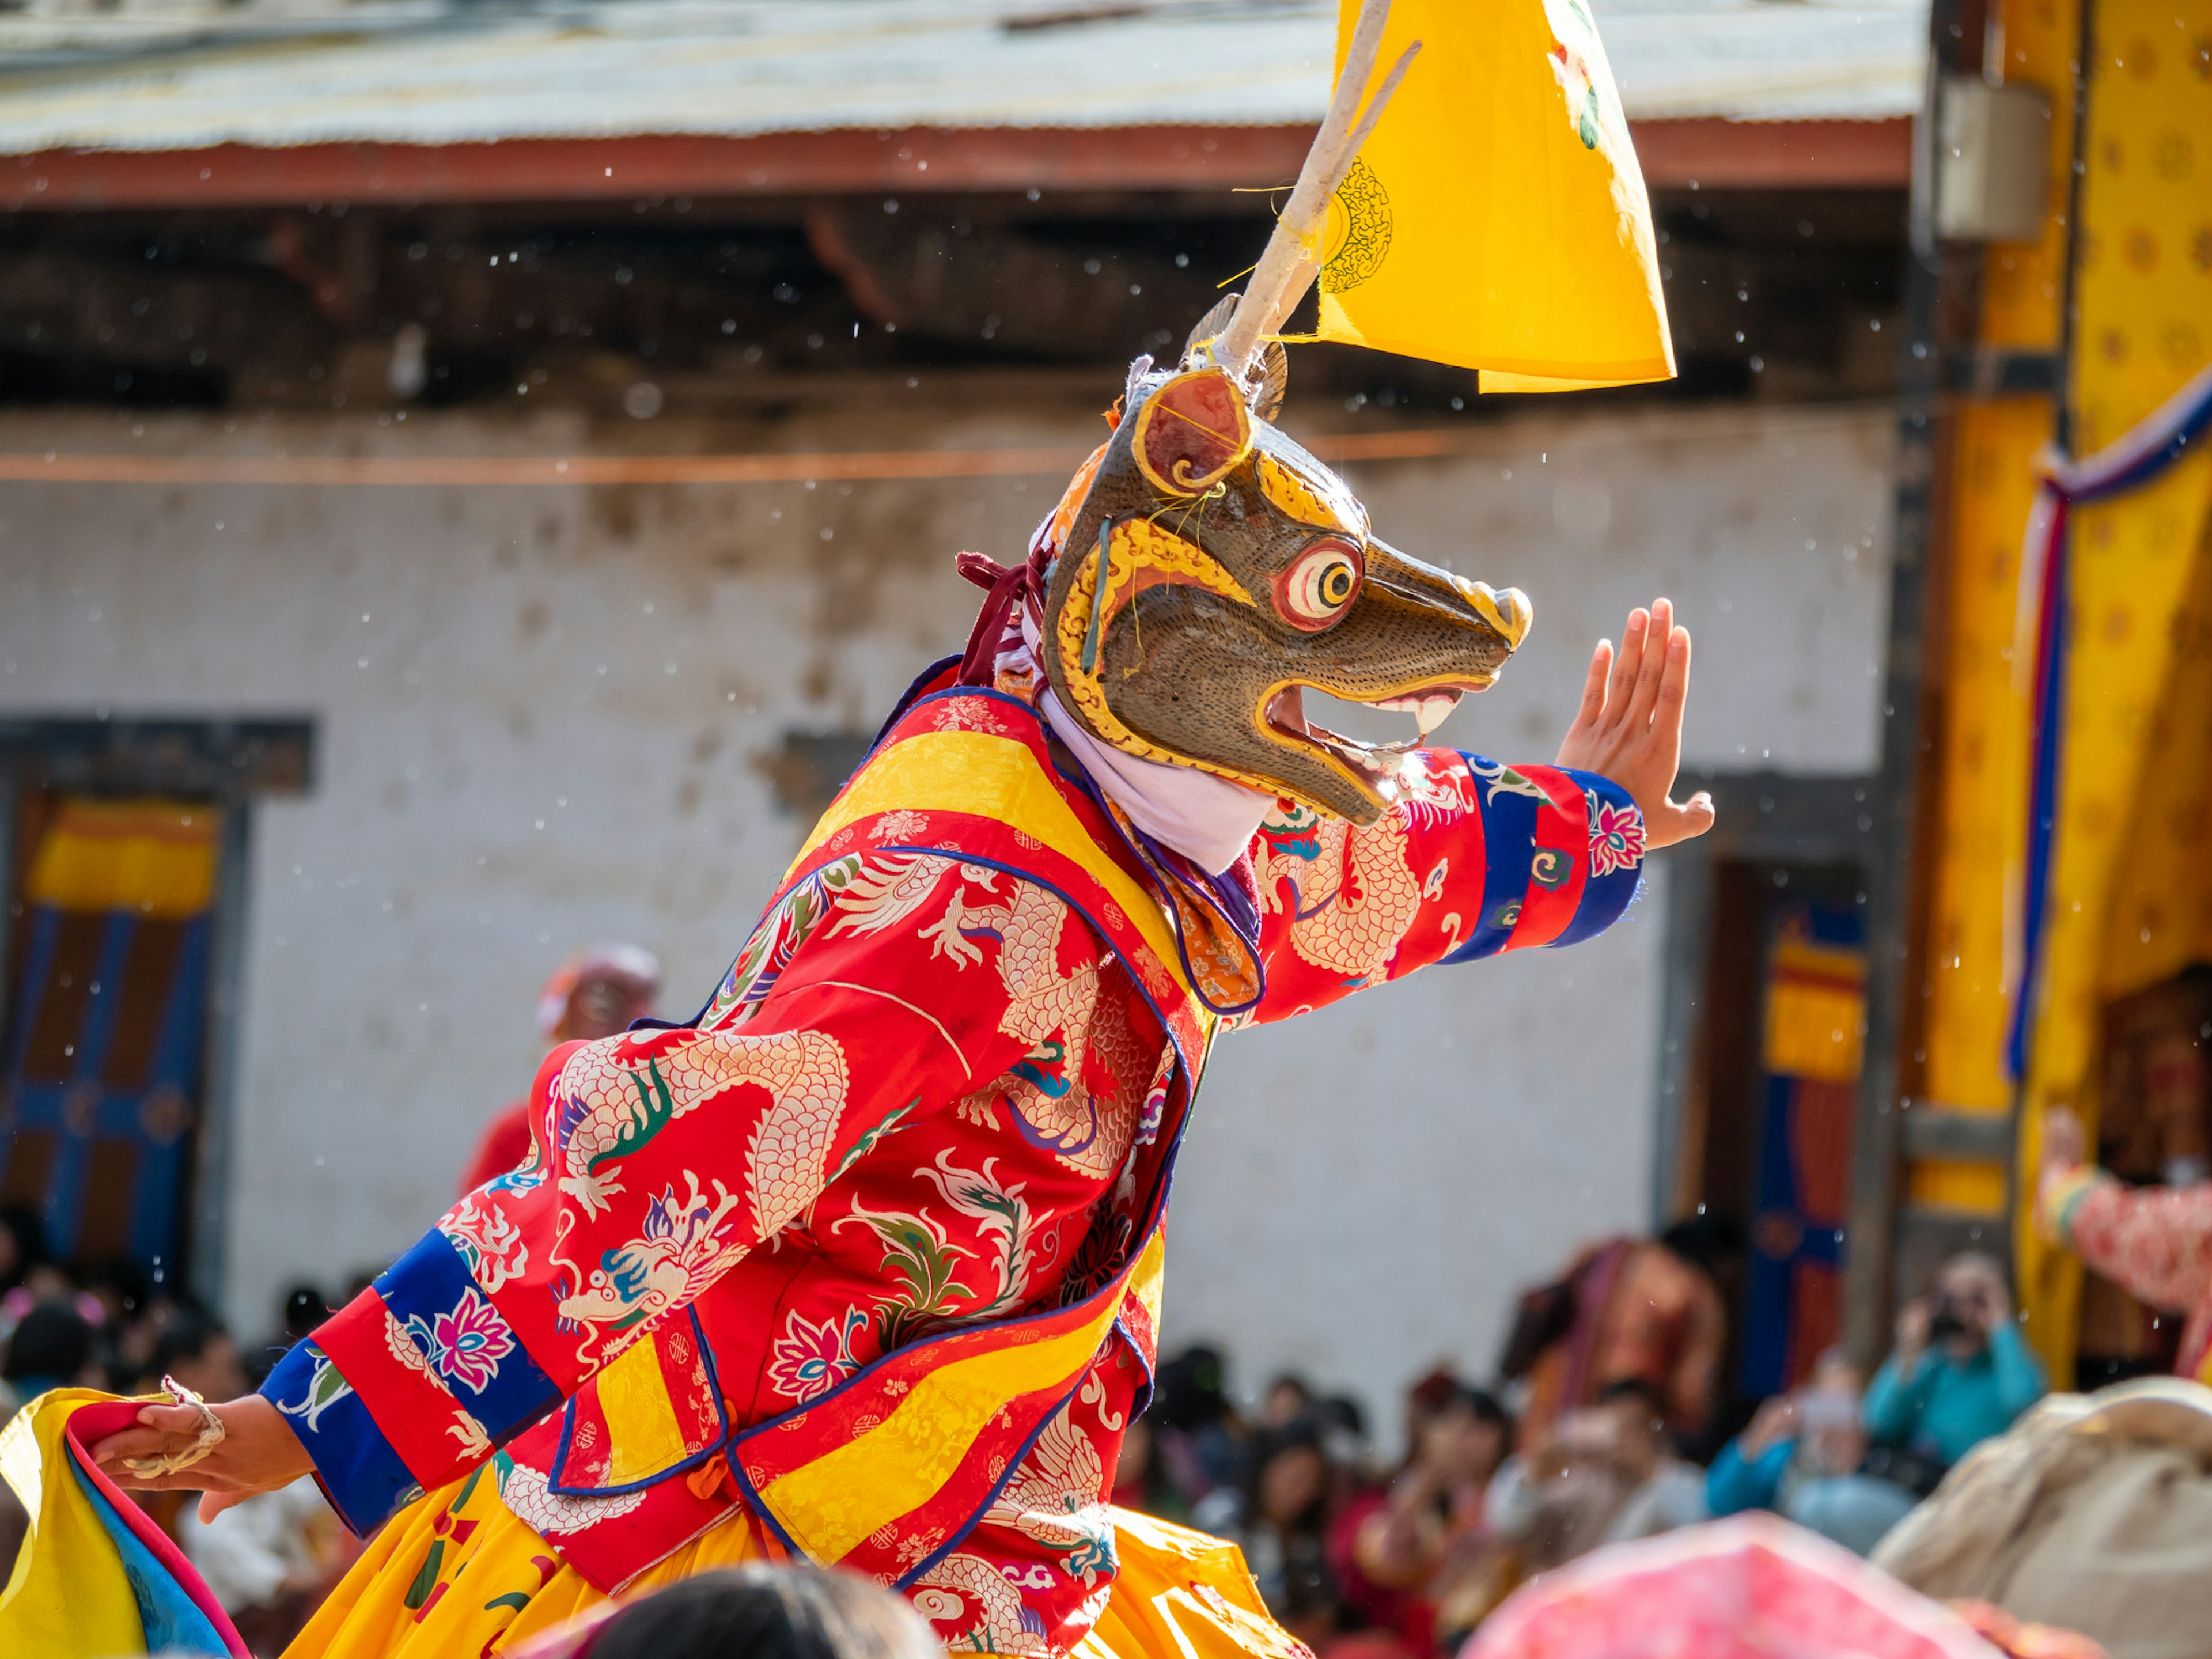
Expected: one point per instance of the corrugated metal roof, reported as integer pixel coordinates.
(287, 72)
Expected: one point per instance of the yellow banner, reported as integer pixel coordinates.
(154, 858)
(1496, 218)
(2126, 904)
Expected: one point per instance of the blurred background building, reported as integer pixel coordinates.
(473, 476)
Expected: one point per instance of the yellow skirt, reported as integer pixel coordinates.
(456, 1575)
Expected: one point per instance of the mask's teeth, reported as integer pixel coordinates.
(1429, 709)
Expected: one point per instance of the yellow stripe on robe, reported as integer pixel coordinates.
(828, 1506)
(991, 777)
(633, 1393)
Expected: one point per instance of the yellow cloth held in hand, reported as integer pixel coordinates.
(67, 1595)
(1180, 1594)
(94, 1576)
(1496, 218)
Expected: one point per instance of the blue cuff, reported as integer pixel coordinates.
(1616, 858)
(430, 1293)
(355, 1464)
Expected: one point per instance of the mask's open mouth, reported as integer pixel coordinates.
(1284, 716)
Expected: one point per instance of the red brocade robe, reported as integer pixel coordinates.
(871, 1250)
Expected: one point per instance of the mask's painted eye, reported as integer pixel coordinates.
(1321, 584)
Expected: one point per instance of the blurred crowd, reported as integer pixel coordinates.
(1607, 1422)
(1606, 1418)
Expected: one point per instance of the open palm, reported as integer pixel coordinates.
(1629, 728)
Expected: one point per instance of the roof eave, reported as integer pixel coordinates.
(1708, 151)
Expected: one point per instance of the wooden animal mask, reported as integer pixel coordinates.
(1215, 570)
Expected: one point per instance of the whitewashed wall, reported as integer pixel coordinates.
(539, 712)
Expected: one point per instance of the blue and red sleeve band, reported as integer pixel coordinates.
(1562, 864)
(415, 1381)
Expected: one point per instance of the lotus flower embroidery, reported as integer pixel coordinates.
(1616, 837)
(465, 1345)
(808, 1360)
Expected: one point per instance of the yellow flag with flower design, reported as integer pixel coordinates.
(1496, 218)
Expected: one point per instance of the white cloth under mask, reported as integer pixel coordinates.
(1208, 819)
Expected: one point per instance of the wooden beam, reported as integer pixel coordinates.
(1711, 154)
(421, 472)
(1708, 154)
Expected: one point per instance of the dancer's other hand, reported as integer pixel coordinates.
(2065, 1142)
(1629, 728)
(2065, 1150)
(257, 1452)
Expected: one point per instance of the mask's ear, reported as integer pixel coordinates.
(1192, 433)
(1266, 397)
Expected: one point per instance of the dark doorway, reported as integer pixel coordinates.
(1763, 1012)
(124, 863)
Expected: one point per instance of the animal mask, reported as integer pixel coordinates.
(1215, 572)
(1238, 572)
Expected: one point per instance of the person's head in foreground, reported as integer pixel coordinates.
(758, 1611)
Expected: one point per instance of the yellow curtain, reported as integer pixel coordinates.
(1978, 801)
(154, 857)
(2144, 302)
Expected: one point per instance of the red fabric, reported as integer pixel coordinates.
(1753, 1587)
(1409, 1617)
(1555, 892)
(505, 1144)
(2155, 1243)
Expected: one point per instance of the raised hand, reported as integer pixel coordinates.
(1629, 728)
(2065, 1143)
(258, 1452)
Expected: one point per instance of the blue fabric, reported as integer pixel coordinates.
(173, 1622)
(2043, 792)
(1604, 897)
(429, 1282)
(355, 1466)
(1509, 830)
(1736, 1483)
(1942, 1409)
(1854, 1511)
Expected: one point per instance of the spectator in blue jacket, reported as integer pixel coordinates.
(1800, 1458)
(1961, 1373)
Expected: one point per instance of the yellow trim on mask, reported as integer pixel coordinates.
(1325, 505)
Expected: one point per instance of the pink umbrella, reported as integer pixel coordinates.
(1753, 1587)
